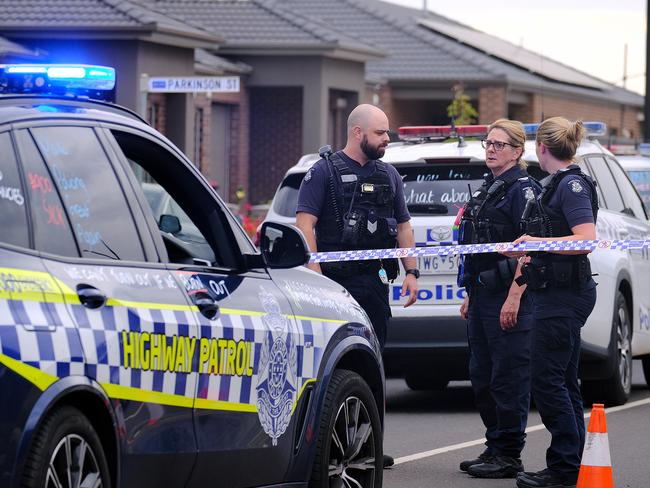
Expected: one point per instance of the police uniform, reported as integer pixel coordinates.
(499, 359)
(564, 294)
(358, 207)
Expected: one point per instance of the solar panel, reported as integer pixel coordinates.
(511, 53)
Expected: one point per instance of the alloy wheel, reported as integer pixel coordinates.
(73, 465)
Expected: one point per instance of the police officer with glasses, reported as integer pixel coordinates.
(498, 309)
(564, 294)
(350, 200)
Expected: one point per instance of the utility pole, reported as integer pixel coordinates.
(625, 66)
(646, 112)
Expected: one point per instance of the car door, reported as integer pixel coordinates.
(247, 346)
(137, 332)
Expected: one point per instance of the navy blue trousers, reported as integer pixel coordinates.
(372, 295)
(555, 358)
(499, 370)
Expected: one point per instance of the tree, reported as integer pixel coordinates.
(460, 109)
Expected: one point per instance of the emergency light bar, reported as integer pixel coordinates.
(419, 132)
(593, 129)
(644, 149)
(58, 79)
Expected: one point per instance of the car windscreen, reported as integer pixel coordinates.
(286, 198)
(641, 179)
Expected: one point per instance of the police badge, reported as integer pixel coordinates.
(308, 175)
(575, 186)
(277, 379)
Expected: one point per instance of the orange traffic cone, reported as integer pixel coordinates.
(596, 467)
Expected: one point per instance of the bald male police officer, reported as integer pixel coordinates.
(351, 200)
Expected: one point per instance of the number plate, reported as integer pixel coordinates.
(431, 265)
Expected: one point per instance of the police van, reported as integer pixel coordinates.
(441, 166)
(142, 347)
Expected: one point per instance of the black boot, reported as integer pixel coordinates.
(497, 467)
(388, 461)
(484, 457)
(546, 478)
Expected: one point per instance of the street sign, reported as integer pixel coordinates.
(193, 84)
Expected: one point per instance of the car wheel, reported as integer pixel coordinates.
(349, 450)
(422, 383)
(616, 389)
(66, 452)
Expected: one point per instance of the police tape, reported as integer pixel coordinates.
(448, 250)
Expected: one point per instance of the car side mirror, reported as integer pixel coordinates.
(169, 223)
(282, 246)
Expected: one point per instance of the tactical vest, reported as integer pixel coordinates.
(558, 270)
(362, 216)
(483, 222)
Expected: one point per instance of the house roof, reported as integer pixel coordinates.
(431, 52)
(207, 63)
(98, 19)
(266, 27)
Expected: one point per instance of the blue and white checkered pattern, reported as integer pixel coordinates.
(585, 245)
(36, 335)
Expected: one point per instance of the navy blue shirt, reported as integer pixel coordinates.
(514, 201)
(573, 198)
(314, 188)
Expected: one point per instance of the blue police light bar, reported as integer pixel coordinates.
(644, 149)
(58, 79)
(593, 129)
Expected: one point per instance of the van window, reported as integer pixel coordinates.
(13, 213)
(609, 189)
(630, 197)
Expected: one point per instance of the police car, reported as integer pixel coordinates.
(139, 350)
(441, 166)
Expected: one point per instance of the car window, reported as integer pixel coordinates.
(52, 231)
(611, 196)
(192, 223)
(641, 180)
(587, 170)
(630, 197)
(13, 211)
(91, 193)
(286, 198)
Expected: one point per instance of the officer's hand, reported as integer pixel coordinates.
(410, 284)
(509, 311)
(464, 308)
(315, 267)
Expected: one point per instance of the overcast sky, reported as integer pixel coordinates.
(589, 35)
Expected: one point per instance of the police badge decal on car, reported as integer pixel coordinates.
(278, 370)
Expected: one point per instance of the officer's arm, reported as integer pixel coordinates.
(406, 239)
(306, 222)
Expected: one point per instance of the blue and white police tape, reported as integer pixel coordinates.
(447, 250)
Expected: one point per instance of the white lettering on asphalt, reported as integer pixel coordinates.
(455, 447)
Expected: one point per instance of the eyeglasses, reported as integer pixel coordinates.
(498, 145)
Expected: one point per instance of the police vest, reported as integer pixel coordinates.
(482, 221)
(551, 269)
(362, 214)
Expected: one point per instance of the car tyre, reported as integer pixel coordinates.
(616, 389)
(66, 452)
(349, 449)
(423, 383)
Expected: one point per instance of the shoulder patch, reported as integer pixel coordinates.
(529, 194)
(575, 186)
(307, 178)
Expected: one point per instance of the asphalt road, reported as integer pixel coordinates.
(429, 433)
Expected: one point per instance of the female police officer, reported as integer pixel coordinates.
(564, 295)
(497, 309)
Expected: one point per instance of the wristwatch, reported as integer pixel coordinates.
(415, 272)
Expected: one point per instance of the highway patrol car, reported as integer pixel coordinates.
(441, 167)
(143, 352)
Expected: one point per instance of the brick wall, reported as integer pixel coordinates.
(492, 104)
(617, 117)
(275, 137)
(157, 107)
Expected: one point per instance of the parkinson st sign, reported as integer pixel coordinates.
(193, 84)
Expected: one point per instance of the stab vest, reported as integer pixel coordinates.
(362, 213)
(483, 222)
